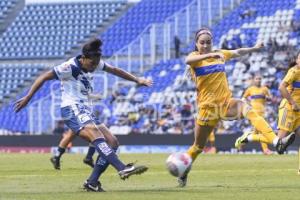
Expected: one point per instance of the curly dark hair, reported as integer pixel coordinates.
(92, 48)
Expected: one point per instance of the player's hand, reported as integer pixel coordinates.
(144, 82)
(295, 107)
(259, 45)
(21, 103)
(218, 55)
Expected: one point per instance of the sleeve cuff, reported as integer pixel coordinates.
(55, 74)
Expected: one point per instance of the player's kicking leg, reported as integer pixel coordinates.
(280, 146)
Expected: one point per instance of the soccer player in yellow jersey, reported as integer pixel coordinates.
(257, 95)
(214, 99)
(289, 109)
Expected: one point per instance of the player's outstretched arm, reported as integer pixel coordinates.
(21, 103)
(244, 51)
(198, 57)
(127, 76)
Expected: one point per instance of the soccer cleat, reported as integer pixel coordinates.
(56, 162)
(182, 181)
(130, 169)
(89, 187)
(89, 162)
(242, 140)
(283, 143)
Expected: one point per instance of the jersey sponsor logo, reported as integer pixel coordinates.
(211, 69)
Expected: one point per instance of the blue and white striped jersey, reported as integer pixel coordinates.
(76, 85)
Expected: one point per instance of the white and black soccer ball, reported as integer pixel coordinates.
(178, 164)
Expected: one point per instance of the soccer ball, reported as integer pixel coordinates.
(179, 164)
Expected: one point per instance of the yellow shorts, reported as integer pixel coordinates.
(259, 109)
(210, 115)
(288, 119)
(260, 113)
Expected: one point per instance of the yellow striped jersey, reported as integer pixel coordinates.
(292, 78)
(257, 96)
(210, 78)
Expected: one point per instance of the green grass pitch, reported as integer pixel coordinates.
(226, 177)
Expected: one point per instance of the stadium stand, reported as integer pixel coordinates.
(5, 7)
(136, 20)
(13, 76)
(52, 30)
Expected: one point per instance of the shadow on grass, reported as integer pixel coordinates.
(207, 189)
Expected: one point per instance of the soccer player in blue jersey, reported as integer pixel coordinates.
(75, 76)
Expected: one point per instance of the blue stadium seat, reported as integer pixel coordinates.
(42, 23)
(137, 18)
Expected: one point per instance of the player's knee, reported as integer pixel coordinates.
(91, 133)
(115, 142)
(112, 140)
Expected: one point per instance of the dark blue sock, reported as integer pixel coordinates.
(90, 152)
(100, 167)
(107, 153)
(60, 152)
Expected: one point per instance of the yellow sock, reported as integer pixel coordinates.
(258, 138)
(263, 141)
(264, 146)
(261, 125)
(194, 151)
(211, 137)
